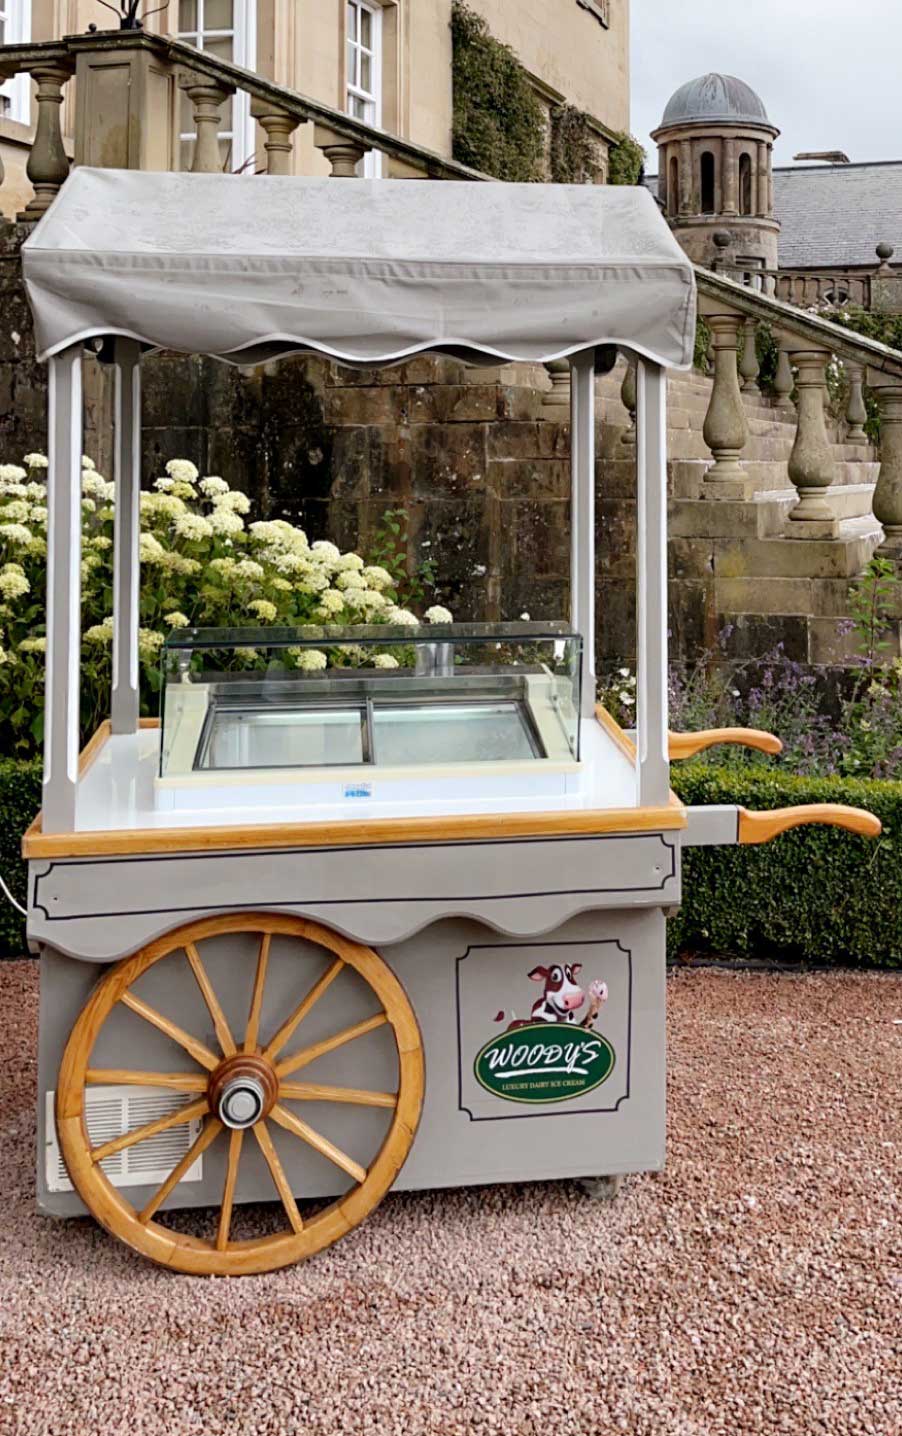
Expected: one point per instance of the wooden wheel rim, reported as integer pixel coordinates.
(111, 1208)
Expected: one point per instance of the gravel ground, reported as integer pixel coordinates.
(754, 1287)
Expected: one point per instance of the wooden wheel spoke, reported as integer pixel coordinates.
(328, 1044)
(317, 1092)
(221, 1026)
(198, 1050)
(252, 1031)
(319, 1143)
(228, 1190)
(121, 1077)
(150, 1129)
(300, 1012)
(209, 1134)
(261, 1132)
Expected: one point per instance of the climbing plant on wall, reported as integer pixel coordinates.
(575, 155)
(626, 163)
(498, 123)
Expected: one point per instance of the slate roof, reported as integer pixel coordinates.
(836, 214)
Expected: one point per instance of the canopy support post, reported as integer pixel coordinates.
(582, 517)
(126, 553)
(61, 703)
(654, 764)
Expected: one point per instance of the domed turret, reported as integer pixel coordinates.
(715, 152)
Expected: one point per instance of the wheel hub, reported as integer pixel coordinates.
(243, 1090)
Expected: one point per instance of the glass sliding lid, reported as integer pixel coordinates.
(369, 697)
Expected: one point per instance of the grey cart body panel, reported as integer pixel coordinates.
(102, 909)
(460, 976)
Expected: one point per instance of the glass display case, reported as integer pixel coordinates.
(323, 702)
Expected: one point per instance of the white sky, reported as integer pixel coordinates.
(829, 71)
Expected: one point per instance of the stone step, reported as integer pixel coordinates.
(765, 477)
(843, 556)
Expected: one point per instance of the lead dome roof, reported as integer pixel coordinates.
(715, 97)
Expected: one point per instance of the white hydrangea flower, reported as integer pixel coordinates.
(213, 485)
(149, 642)
(281, 585)
(36, 461)
(4, 657)
(16, 534)
(38, 514)
(16, 511)
(311, 660)
(222, 565)
(349, 578)
(235, 500)
(378, 577)
(348, 561)
(290, 562)
(183, 470)
(437, 614)
(36, 490)
(87, 463)
(193, 527)
(176, 620)
(264, 531)
(331, 602)
(33, 645)
(385, 660)
(365, 598)
(627, 699)
(401, 616)
(10, 489)
(263, 609)
(326, 552)
(88, 506)
(226, 521)
(12, 474)
(100, 542)
(96, 485)
(315, 582)
(101, 633)
(151, 549)
(161, 505)
(13, 583)
(247, 568)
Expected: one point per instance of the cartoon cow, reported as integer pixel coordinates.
(560, 1001)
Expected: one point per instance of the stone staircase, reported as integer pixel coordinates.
(735, 560)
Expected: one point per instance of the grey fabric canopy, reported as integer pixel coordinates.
(367, 271)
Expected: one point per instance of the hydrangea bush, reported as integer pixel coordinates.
(203, 563)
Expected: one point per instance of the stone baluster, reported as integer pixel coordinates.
(856, 410)
(628, 400)
(207, 97)
(48, 163)
(748, 364)
(726, 429)
(784, 380)
(888, 493)
(343, 154)
(812, 469)
(558, 396)
(279, 128)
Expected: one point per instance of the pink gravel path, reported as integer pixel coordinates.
(755, 1287)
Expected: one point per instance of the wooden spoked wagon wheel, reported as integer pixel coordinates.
(236, 1093)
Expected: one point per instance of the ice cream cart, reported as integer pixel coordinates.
(316, 935)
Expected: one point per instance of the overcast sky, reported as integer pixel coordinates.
(829, 71)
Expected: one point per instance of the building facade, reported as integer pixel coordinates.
(388, 62)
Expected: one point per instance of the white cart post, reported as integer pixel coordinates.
(126, 555)
(582, 517)
(651, 422)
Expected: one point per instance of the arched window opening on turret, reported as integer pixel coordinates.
(707, 184)
(745, 184)
(673, 186)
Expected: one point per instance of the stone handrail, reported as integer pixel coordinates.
(805, 290)
(807, 340)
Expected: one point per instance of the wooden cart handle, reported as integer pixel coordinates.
(686, 745)
(761, 827)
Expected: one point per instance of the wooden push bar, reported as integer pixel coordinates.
(686, 745)
(761, 827)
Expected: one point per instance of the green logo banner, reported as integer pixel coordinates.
(544, 1062)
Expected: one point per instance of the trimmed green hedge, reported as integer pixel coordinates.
(20, 799)
(816, 895)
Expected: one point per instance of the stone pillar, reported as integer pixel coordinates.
(856, 412)
(748, 364)
(770, 181)
(208, 98)
(888, 493)
(811, 464)
(685, 177)
(343, 154)
(279, 128)
(761, 203)
(730, 178)
(726, 429)
(48, 163)
(784, 380)
(558, 396)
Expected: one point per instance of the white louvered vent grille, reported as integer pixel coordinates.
(112, 1111)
